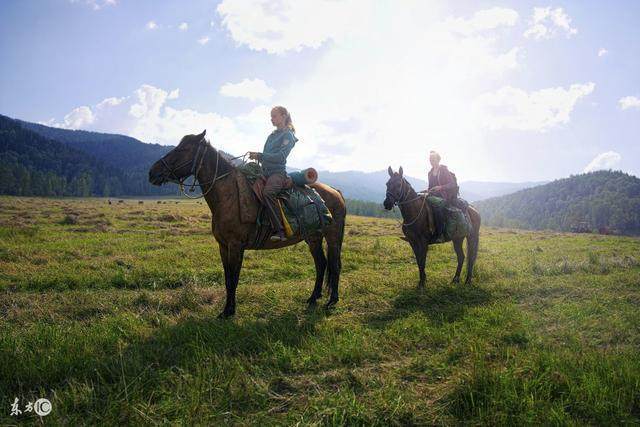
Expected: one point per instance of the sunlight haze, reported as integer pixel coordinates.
(511, 91)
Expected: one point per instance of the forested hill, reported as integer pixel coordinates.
(597, 200)
(34, 164)
(120, 151)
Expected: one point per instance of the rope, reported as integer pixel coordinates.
(424, 201)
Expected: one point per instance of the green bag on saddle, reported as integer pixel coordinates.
(457, 225)
(305, 210)
(303, 207)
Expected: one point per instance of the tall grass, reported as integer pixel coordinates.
(117, 325)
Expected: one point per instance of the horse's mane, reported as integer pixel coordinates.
(224, 158)
(406, 182)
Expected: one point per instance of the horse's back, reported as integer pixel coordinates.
(333, 199)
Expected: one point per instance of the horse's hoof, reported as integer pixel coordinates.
(455, 280)
(312, 301)
(331, 303)
(225, 314)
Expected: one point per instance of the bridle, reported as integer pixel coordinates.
(400, 200)
(196, 166)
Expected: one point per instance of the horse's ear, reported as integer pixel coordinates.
(201, 136)
(400, 171)
(390, 171)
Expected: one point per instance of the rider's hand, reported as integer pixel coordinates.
(254, 155)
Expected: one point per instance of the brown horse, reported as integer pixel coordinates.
(416, 214)
(219, 181)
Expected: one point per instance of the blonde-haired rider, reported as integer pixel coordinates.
(274, 165)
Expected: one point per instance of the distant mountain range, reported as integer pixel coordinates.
(371, 186)
(79, 163)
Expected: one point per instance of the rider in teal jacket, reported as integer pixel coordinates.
(275, 151)
(274, 166)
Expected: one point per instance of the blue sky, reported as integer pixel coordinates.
(505, 91)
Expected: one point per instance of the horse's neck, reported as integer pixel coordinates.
(411, 209)
(213, 170)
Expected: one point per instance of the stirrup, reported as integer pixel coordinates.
(278, 237)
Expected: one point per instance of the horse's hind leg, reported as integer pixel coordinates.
(457, 246)
(334, 250)
(472, 252)
(315, 246)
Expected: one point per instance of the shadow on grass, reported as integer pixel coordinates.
(441, 304)
(177, 347)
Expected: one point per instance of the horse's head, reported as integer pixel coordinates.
(180, 162)
(395, 188)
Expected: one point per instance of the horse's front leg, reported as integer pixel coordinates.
(420, 249)
(232, 256)
(457, 246)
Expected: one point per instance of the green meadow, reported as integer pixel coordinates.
(109, 311)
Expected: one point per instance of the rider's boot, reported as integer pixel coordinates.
(440, 221)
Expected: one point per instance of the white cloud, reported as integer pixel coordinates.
(483, 20)
(277, 27)
(203, 40)
(605, 161)
(95, 4)
(150, 100)
(547, 23)
(602, 51)
(183, 26)
(151, 25)
(252, 89)
(512, 108)
(78, 118)
(110, 102)
(147, 116)
(629, 102)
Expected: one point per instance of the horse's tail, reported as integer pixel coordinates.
(473, 240)
(344, 218)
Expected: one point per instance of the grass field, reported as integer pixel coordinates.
(109, 311)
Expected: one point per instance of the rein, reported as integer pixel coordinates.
(196, 166)
(399, 201)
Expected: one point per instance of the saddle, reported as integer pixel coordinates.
(260, 182)
(302, 207)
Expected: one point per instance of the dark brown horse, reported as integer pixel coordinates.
(418, 217)
(219, 181)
